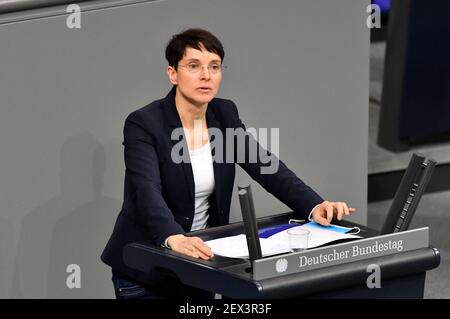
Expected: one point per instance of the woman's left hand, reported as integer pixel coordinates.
(323, 214)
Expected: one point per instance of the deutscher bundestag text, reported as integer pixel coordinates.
(353, 252)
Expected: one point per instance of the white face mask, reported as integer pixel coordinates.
(340, 229)
(346, 230)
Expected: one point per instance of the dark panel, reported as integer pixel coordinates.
(416, 86)
(425, 111)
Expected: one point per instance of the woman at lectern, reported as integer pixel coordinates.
(180, 169)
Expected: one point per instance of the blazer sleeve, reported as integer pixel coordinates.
(143, 183)
(282, 183)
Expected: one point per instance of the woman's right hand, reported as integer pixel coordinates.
(190, 246)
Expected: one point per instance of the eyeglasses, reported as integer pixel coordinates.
(214, 68)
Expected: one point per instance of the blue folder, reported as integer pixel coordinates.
(272, 230)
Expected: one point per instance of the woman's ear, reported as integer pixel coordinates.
(172, 75)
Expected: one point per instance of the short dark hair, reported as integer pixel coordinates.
(192, 38)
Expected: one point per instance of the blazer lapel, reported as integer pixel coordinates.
(212, 122)
(174, 122)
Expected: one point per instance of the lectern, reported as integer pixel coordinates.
(341, 270)
(402, 273)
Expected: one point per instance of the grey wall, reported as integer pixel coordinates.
(301, 66)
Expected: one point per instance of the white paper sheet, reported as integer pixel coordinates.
(236, 246)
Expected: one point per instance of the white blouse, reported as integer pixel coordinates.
(203, 171)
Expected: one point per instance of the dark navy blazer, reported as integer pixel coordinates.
(159, 193)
